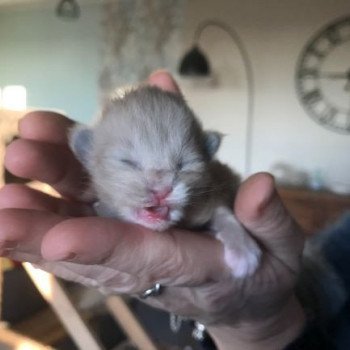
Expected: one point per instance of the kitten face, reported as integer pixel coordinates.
(147, 158)
(146, 183)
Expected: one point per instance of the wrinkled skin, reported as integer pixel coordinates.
(62, 236)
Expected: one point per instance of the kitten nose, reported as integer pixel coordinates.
(162, 193)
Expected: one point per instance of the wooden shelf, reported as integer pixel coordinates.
(314, 210)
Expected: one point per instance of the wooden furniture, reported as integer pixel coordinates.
(10, 340)
(57, 297)
(133, 329)
(314, 210)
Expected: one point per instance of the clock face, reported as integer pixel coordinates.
(323, 76)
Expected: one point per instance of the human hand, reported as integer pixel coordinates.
(62, 236)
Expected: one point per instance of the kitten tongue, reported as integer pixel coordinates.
(155, 213)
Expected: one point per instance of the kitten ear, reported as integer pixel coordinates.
(80, 142)
(212, 141)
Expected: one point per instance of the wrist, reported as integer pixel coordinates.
(275, 332)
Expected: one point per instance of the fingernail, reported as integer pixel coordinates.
(8, 245)
(70, 256)
(159, 71)
(66, 257)
(267, 200)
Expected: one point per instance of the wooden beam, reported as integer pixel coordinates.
(16, 341)
(54, 293)
(129, 323)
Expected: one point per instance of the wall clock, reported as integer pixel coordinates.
(323, 76)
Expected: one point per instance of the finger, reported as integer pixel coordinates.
(167, 258)
(164, 81)
(50, 163)
(21, 231)
(260, 209)
(44, 126)
(21, 236)
(23, 197)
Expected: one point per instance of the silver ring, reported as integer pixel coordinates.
(152, 292)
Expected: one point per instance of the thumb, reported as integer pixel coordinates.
(261, 211)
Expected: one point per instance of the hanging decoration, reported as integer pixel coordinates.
(139, 37)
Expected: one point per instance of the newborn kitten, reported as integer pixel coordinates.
(152, 164)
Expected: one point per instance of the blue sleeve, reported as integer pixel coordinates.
(337, 249)
(337, 253)
(336, 334)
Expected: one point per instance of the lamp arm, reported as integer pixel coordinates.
(249, 76)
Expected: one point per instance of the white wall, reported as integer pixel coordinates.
(57, 61)
(44, 53)
(274, 32)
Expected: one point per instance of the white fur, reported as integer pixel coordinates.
(179, 194)
(242, 253)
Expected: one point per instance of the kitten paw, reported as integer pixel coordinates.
(243, 261)
(242, 253)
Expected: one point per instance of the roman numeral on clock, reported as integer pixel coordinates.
(316, 52)
(328, 115)
(312, 97)
(311, 73)
(333, 36)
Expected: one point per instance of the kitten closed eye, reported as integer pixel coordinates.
(130, 163)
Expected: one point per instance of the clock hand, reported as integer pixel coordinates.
(338, 76)
(334, 75)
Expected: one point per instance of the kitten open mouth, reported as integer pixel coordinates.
(155, 213)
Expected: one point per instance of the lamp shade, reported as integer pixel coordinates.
(68, 9)
(194, 63)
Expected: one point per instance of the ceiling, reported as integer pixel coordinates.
(27, 2)
(15, 2)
